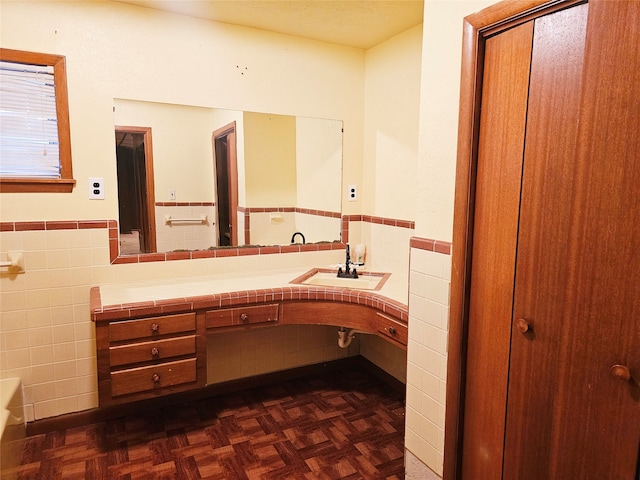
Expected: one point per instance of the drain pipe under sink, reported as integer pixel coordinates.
(346, 337)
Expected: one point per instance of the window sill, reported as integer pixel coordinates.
(29, 185)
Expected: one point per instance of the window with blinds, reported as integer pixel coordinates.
(35, 151)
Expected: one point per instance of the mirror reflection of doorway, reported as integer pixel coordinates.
(226, 174)
(136, 202)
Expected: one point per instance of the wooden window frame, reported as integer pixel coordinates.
(66, 181)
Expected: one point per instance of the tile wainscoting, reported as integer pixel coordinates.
(429, 282)
(47, 337)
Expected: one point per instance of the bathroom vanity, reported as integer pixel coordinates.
(151, 337)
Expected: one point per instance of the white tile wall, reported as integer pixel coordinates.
(232, 355)
(185, 235)
(387, 247)
(385, 355)
(429, 281)
(46, 335)
(48, 339)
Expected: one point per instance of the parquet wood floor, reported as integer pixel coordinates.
(344, 424)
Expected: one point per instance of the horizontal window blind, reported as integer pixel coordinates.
(29, 144)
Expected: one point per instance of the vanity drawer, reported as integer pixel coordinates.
(392, 329)
(153, 377)
(228, 317)
(152, 350)
(152, 326)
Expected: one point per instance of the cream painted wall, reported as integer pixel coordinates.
(318, 159)
(439, 100)
(392, 99)
(270, 160)
(120, 51)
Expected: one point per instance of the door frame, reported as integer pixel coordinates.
(476, 29)
(228, 131)
(149, 209)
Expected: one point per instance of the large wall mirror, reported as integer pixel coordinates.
(194, 178)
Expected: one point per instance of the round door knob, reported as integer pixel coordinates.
(155, 327)
(155, 352)
(621, 373)
(244, 317)
(523, 325)
(155, 378)
(392, 331)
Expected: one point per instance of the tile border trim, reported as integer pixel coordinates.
(114, 248)
(438, 246)
(392, 222)
(185, 204)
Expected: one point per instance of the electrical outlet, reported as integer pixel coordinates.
(172, 195)
(96, 188)
(352, 193)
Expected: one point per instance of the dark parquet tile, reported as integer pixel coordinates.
(345, 425)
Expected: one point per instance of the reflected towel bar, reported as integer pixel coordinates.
(201, 219)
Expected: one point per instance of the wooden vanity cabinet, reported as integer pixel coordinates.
(149, 357)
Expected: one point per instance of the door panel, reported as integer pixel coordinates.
(499, 171)
(601, 414)
(577, 267)
(226, 177)
(541, 275)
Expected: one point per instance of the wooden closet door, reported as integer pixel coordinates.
(553, 351)
(495, 234)
(577, 299)
(548, 187)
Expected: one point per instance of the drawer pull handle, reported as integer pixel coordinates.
(155, 327)
(392, 331)
(244, 317)
(155, 378)
(155, 352)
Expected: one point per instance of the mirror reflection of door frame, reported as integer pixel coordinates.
(146, 198)
(230, 180)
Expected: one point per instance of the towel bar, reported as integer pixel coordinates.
(15, 260)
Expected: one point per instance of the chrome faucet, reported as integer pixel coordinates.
(347, 272)
(293, 237)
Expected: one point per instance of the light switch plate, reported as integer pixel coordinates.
(96, 188)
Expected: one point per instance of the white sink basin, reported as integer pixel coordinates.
(329, 278)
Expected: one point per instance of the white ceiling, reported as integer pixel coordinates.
(356, 23)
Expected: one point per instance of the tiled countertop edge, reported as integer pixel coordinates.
(246, 297)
